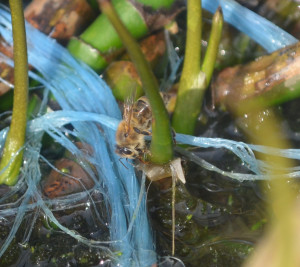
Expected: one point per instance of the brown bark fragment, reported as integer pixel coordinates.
(61, 19)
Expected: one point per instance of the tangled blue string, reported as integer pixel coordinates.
(259, 29)
(77, 88)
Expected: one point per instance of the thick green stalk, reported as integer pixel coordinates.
(213, 45)
(100, 43)
(12, 156)
(155, 4)
(192, 81)
(269, 80)
(161, 145)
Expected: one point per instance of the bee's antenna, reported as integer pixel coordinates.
(120, 160)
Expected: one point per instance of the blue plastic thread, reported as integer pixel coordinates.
(76, 87)
(259, 29)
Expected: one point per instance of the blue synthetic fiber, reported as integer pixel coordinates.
(241, 149)
(76, 87)
(174, 62)
(89, 106)
(259, 29)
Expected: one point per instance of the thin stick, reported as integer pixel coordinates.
(173, 211)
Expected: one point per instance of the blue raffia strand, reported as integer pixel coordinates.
(87, 103)
(264, 32)
(78, 88)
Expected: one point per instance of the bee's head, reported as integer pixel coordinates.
(125, 152)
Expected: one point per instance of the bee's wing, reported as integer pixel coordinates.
(128, 108)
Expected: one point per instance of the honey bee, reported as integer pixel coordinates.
(136, 124)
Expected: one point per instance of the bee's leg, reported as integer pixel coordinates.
(142, 155)
(132, 164)
(138, 149)
(144, 132)
(141, 159)
(144, 158)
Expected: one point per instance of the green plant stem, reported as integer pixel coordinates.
(269, 80)
(12, 155)
(192, 57)
(155, 4)
(192, 81)
(100, 43)
(213, 45)
(161, 145)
